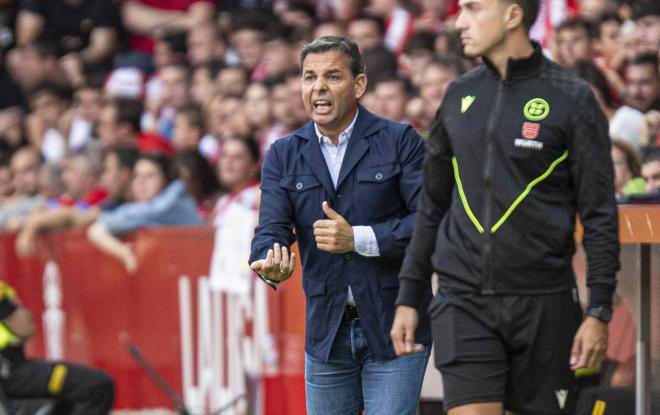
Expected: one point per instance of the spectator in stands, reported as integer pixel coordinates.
(44, 125)
(392, 95)
(25, 165)
(247, 40)
(433, 15)
(398, 23)
(175, 93)
(643, 83)
(367, 31)
(189, 127)
(202, 82)
(232, 80)
(81, 178)
(418, 53)
(436, 77)
(87, 30)
(278, 57)
(200, 179)
(206, 44)
(119, 125)
(329, 28)
(608, 42)
(573, 41)
(35, 63)
(145, 20)
(118, 163)
(627, 169)
(82, 118)
(85, 390)
(51, 184)
(647, 27)
(651, 170)
(226, 116)
(625, 122)
(159, 200)
(257, 103)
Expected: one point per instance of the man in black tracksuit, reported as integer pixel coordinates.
(518, 148)
(76, 389)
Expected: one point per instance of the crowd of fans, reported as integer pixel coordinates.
(116, 114)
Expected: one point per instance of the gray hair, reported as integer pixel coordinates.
(339, 44)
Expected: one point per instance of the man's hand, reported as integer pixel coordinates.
(403, 331)
(278, 265)
(335, 234)
(589, 345)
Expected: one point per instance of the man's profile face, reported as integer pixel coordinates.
(330, 91)
(643, 86)
(482, 26)
(651, 173)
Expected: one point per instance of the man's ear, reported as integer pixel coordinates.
(360, 85)
(513, 16)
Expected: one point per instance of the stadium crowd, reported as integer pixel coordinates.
(117, 115)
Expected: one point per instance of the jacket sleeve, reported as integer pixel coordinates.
(437, 188)
(394, 235)
(593, 180)
(276, 220)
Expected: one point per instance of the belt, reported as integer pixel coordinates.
(350, 313)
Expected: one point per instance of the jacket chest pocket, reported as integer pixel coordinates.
(377, 187)
(306, 195)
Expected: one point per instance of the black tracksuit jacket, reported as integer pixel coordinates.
(509, 163)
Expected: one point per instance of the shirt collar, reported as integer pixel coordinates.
(345, 135)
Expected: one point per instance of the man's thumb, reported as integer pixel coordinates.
(329, 212)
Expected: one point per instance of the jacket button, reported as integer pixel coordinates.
(378, 176)
(348, 257)
(299, 186)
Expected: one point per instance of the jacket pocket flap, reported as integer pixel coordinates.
(378, 173)
(313, 287)
(299, 183)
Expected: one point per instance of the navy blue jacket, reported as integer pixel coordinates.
(378, 185)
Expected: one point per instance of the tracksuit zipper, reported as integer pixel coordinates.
(487, 282)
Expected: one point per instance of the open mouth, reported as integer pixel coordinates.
(322, 106)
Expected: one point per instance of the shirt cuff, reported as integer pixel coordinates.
(365, 241)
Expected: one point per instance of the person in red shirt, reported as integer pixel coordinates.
(145, 20)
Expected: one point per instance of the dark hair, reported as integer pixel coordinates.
(423, 40)
(126, 156)
(605, 18)
(60, 91)
(129, 111)
(378, 21)
(650, 154)
(645, 8)
(588, 71)
(633, 158)
(200, 171)
(335, 43)
(162, 161)
(449, 62)
(577, 22)
(251, 144)
(530, 11)
(378, 63)
(646, 59)
(194, 115)
(404, 83)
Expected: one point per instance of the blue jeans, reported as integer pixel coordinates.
(351, 381)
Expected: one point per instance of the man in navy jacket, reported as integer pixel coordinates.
(347, 183)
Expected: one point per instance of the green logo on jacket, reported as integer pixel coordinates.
(466, 101)
(536, 109)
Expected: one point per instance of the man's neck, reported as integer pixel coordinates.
(515, 46)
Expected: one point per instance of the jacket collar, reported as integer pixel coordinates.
(521, 68)
(365, 125)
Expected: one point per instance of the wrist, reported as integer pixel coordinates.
(601, 313)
